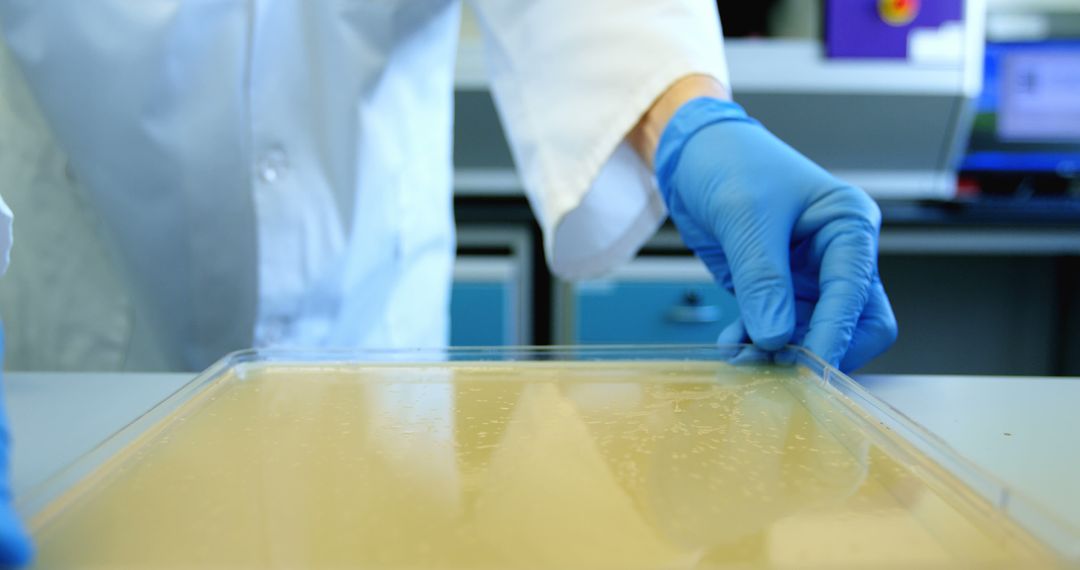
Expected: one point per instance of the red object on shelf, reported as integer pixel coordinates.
(967, 187)
(898, 12)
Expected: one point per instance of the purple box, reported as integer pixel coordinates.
(880, 28)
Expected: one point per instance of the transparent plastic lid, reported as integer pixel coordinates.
(592, 457)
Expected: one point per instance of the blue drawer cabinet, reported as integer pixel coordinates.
(485, 303)
(651, 301)
(480, 314)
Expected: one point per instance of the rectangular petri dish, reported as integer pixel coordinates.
(592, 457)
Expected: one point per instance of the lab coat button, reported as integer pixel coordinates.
(272, 166)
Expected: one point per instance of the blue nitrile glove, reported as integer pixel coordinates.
(15, 547)
(796, 246)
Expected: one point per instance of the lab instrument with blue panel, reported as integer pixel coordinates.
(1028, 116)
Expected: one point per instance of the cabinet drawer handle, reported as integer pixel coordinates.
(694, 314)
(691, 311)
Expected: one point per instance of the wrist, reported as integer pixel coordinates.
(690, 119)
(646, 134)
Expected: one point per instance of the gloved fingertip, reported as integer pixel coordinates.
(734, 333)
(770, 319)
(827, 351)
(786, 358)
(729, 342)
(16, 549)
(772, 340)
(869, 341)
(847, 366)
(16, 554)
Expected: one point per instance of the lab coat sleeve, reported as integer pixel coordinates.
(571, 78)
(5, 236)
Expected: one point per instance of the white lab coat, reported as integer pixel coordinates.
(198, 176)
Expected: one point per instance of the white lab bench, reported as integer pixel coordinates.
(1021, 429)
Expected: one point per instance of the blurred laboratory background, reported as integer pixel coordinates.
(962, 118)
(964, 124)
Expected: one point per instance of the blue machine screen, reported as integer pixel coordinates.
(1028, 115)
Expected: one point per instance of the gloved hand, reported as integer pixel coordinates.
(796, 246)
(15, 547)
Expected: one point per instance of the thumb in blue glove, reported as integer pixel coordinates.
(15, 547)
(796, 246)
